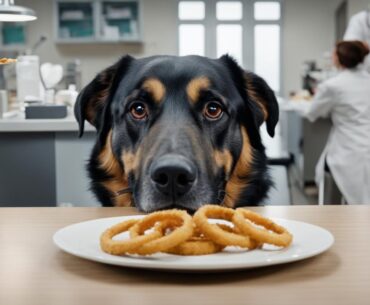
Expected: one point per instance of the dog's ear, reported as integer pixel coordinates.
(94, 99)
(263, 96)
(256, 93)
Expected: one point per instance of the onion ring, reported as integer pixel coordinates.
(198, 244)
(274, 234)
(174, 238)
(217, 234)
(120, 247)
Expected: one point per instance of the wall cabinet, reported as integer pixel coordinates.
(12, 36)
(97, 21)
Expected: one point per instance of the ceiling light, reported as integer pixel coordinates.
(13, 13)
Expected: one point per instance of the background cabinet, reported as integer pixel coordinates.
(75, 21)
(12, 36)
(97, 21)
(45, 169)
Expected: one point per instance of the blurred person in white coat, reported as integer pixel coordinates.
(345, 98)
(359, 29)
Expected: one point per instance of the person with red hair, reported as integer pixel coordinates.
(345, 98)
(359, 29)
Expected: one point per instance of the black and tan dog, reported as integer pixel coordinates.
(178, 132)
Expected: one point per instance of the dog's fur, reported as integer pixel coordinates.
(228, 152)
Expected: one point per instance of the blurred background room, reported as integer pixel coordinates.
(60, 45)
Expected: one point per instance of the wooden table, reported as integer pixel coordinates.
(34, 271)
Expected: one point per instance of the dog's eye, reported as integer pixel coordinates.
(138, 111)
(213, 111)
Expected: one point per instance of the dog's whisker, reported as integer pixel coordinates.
(124, 191)
(222, 202)
(221, 196)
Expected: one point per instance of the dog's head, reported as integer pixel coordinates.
(178, 132)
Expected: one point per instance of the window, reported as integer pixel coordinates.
(267, 53)
(267, 46)
(191, 31)
(229, 10)
(229, 32)
(248, 30)
(191, 40)
(267, 10)
(229, 40)
(191, 10)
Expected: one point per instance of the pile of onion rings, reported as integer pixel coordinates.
(176, 232)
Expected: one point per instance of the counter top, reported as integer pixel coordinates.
(35, 271)
(16, 122)
(299, 106)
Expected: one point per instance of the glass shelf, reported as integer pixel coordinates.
(119, 20)
(98, 21)
(75, 20)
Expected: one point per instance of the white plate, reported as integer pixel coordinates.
(82, 240)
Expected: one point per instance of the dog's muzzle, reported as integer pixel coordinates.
(173, 175)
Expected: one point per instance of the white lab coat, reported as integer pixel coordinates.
(359, 29)
(346, 99)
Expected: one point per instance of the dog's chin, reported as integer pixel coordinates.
(147, 199)
(154, 203)
(148, 207)
(189, 210)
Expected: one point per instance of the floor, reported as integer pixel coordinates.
(299, 195)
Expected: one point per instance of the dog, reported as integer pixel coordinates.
(178, 132)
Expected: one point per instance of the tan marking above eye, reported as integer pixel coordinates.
(239, 177)
(156, 88)
(195, 86)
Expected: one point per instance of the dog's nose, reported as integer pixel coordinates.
(173, 175)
